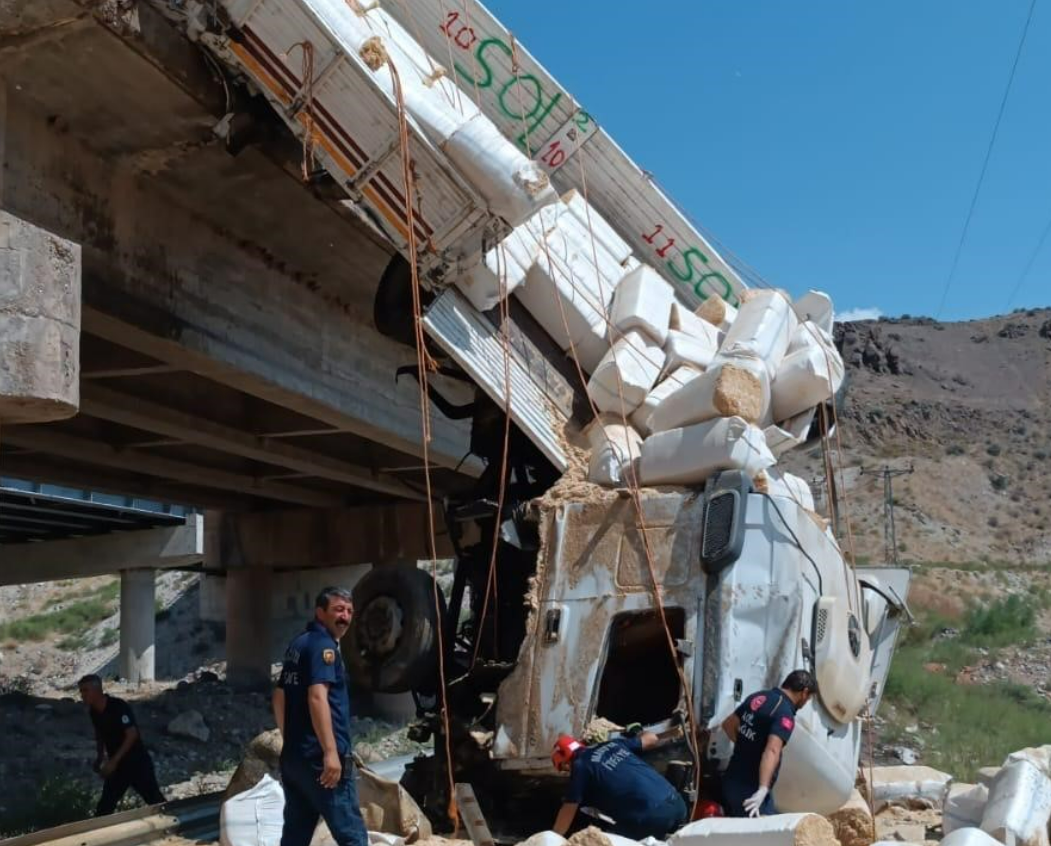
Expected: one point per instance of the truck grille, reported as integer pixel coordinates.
(718, 526)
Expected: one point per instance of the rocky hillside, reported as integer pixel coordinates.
(968, 407)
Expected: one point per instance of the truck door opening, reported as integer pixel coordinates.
(640, 680)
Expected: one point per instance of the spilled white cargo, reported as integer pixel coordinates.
(614, 447)
(689, 455)
(737, 387)
(626, 374)
(779, 830)
(1019, 805)
(678, 377)
(643, 302)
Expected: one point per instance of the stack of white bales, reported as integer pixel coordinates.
(680, 394)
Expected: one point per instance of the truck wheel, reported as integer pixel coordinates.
(393, 641)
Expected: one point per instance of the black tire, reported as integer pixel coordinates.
(393, 641)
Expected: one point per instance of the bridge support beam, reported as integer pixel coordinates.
(138, 625)
(248, 637)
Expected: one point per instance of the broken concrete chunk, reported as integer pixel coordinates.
(1019, 805)
(614, 447)
(626, 374)
(780, 830)
(190, 724)
(762, 329)
(718, 312)
(640, 419)
(689, 455)
(643, 301)
(898, 784)
(736, 387)
(853, 822)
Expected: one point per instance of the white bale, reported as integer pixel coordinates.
(544, 838)
(763, 328)
(790, 434)
(987, 775)
(1019, 805)
(690, 454)
(254, 817)
(604, 233)
(718, 312)
(620, 840)
(626, 373)
(737, 387)
(898, 784)
(779, 830)
(592, 348)
(614, 447)
(964, 806)
(681, 349)
(643, 301)
(967, 837)
(1040, 756)
(808, 376)
(815, 306)
(564, 301)
(684, 320)
(675, 379)
(791, 487)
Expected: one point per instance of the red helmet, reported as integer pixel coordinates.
(565, 748)
(707, 808)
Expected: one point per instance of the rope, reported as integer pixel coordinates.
(425, 364)
(307, 166)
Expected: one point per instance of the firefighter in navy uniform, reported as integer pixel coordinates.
(121, 759)
(611, 778)
(312, 710)
(759, 729)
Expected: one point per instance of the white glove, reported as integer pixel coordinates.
(754, 802)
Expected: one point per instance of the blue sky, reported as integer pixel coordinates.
(833, 145)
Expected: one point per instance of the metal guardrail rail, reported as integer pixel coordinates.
(194, 819)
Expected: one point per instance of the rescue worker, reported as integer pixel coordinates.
(120, 755)
(759, 729)
(611, 778)
(312, 710)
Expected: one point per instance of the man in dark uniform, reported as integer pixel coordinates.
(759, 729)
(121, 756)
(612, 778)
(312, 710)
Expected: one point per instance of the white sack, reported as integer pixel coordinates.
(729, 388)
(684, 320)
(964, 806)
(640, 419)
(614, 447)
(815, 306)
(790, 434)
(790, 487)
(808, 376)
(779, 830)
(626, 374)
(643, 301)
(763, 328)
(689, 455)
(604, 233)
(718, 312)
(255, 817)
(500, 273)
(681, 349)
(1040, 756)
(544, 838)
(987, 775)
(1019, 805)
(968, 837)
(900, 783)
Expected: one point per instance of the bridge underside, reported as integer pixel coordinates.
(228, 352)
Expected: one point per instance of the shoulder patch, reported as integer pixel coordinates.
(328, 656)
(125, 719)
(787, 723)
(757, 702)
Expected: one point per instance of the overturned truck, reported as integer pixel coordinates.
(631, 551)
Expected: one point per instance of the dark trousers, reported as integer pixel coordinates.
(306, 800)
(134, 772)
(660, 821)
(734, 794)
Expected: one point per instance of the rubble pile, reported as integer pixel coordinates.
(679, 394)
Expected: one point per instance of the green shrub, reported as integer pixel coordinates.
(1011, 619)
(74, 620)
(58, 800)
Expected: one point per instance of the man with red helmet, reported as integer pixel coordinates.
(759, 729)
(611, 778)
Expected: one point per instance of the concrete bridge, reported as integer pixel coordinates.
(226, 355)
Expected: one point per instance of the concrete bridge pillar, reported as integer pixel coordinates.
(138, 625)
(248, 635)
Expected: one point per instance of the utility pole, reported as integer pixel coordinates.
(890, 536)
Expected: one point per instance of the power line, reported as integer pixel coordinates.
(1029, 264)
(985, 162)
